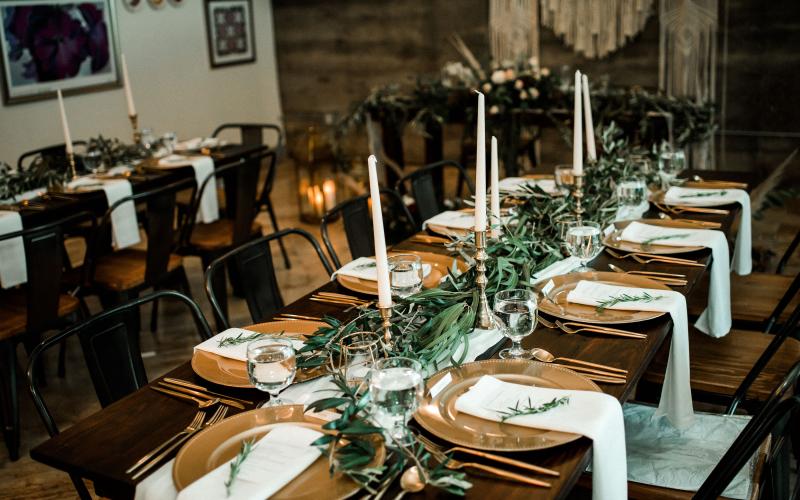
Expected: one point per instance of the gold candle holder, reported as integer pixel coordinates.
(483, 316)
(578, 194)
(386, 325)
(137, 135)
(73, 174)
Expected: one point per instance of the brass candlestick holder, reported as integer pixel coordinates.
(73, 174)
(578, 194)
(483, 316)
(137, 135)
(386, 325)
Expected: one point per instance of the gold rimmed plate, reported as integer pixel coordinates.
(554, 302)
(693, 202)
(221, 442)
(233, 373)
(613, 240)
(439, 265)
(438, 414)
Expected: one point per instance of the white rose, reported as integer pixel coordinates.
(494, 110)
(487, 87)
(523, 95)
(510, 74)
(545, 72)
(519, 84)
(498, 77)
(534, 92)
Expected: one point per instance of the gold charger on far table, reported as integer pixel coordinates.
(439, 265)
(221, 442)
(233, 373)
(438, 414)
(612, 239)
(555, 302)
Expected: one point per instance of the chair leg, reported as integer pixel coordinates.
(220, 290)
(280, 240)
(8, 392)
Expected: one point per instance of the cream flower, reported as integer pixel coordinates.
(510, 74)
(494, 110)
(523, 95)
(487, 87)
(534, 92)
(519, 84)
(498, 77)
(545, 72)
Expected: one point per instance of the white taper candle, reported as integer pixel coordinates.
(591, 151)
(381, 261)
(64, 124)
(577, 125)
(494, 201)
(127, 87)
(480, 168)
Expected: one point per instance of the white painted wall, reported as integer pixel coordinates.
(174, 87)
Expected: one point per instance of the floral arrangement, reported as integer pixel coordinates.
(14, 182)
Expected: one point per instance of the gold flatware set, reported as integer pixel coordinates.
(571, 327)
(646, 258)
(666, 278)
(680, 209)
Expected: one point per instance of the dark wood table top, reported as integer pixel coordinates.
(103, 445)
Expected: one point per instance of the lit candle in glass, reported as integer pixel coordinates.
(329, 191)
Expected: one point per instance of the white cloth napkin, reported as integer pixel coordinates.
(276, 459)
(676, 393)
(238, 351)
(456, 219)
(365, 269)
(557, 268)
(124, 226)
(13, 266)
(716, 319)
(595, 415)
(742, 252)
(196, 143)
(208, 210)
(515, 185)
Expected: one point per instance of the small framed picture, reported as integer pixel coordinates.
(47, 45)
(229, 28)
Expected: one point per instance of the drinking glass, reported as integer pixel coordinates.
(565, 178)
(562, 223)
(358, 353)
(641, 164)
(169, 140)
(405, 274)
(584, 242)
(271, 366)
(148, 138)
(396, 386)
(670, 164)
(93, 160)
(515, 311)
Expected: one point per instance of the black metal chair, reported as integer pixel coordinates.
(110, 344)
(427, 187)
(252, 134)
(56, 152)
(27, 312)
(398, 224)
(253, 262)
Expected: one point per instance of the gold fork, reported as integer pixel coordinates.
(578, 327)
(679, 209)
(196, 423)
(646, 258)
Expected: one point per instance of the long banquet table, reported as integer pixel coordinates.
(102, 446)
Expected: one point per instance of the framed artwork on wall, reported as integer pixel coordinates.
(229, 28)
(49, 45)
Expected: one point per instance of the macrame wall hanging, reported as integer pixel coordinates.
(596, 28)
(513, 29)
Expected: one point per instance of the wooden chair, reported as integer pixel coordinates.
(755, 297)
(56, 152)
(119, 276)
(27, 312)
(427, 187)
(110, 344)
(253, 262)
(252, 134)
(398, 224)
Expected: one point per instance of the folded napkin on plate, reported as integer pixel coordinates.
(13, 266)
(196, 143)
(595, 415)
(557, 268)
(716, 319)
(203, 166)
(275, 460)
(456, 219)
(676, 393)
(364, 268)
(516, 184)
(124, 226)
(742, 252)
(237, 351)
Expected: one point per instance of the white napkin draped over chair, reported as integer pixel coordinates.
(595, 415)
(364, 268)
(716, 319)
(124, 226)
(676, 392)
(208, 209)
(13, 266)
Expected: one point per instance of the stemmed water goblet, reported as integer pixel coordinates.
(515, 311)
(271, 366)
(405, 274)
(584, 241)
(358, 353)
(396, 387)
(670, 164)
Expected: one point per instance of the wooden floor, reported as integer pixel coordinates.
(70, 399)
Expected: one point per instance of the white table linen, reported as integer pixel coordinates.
(742, 251)
(13, 266)
(716, 319)
(595, 415)
(208, 209)
(676, 392)
(124, 226)
(515, 185)
(364, 268)
(196, 143)
(558, 268)
(238, 351)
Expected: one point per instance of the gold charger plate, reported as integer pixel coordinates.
(439, 416)
(628, 246)
(221, 442)
(233, 373)
(555, 303)
(439, 265)
(693, 202)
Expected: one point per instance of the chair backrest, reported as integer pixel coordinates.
(253, 263)
(427, 186)
(252, 134)
(160, 227)
(778, 418)
(787, 298)
(45, 265)
(398, 224)
(110, 344)
(788, 254)
(56, 152)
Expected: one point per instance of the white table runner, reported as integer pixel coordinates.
(208, 209)
(124, 226)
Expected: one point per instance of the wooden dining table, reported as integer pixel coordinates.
(101, 447)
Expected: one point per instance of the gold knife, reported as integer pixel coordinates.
(177, 381)
(190, 392)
